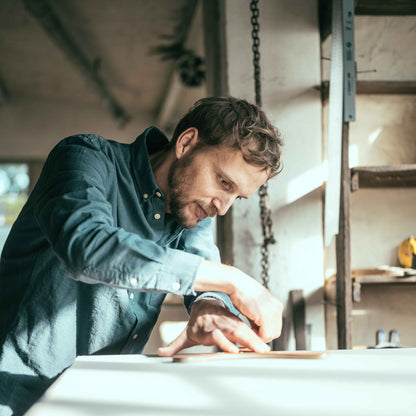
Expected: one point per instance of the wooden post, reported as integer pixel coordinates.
(299, 317)
(343, 251)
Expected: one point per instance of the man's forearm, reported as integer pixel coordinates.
(217, 277)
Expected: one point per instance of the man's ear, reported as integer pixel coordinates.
(186, 141)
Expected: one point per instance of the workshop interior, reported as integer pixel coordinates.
(340, 249)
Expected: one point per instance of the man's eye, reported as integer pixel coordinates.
(225, 184)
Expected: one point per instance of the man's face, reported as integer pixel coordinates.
(206, 182)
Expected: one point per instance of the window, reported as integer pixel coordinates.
(14, 188)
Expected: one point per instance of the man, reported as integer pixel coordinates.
(110, 228)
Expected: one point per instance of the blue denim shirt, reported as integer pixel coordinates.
(89, 261)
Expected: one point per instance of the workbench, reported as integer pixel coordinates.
(349, 382)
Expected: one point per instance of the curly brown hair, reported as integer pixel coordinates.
(236, 123)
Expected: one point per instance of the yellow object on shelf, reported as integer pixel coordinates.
(407, 253)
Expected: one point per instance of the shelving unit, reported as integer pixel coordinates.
(381, 275)
(347, 285)
(383, 278)
(399, 176)
(393, 275)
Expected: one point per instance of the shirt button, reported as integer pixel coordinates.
(157, 216)
(131, 295)
(145, 196)
(133, 281)
(158, 194)
(135, 336)
(176, 285)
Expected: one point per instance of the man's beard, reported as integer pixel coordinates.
(179, 179)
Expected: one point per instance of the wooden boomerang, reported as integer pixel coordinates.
(247, 353)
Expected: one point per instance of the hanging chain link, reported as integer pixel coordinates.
(265, 212)
(255, 48)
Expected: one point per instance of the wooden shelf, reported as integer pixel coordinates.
(383, 177)
(386, 87)
(382, 278)
(391, 275)
(369, 276)
(385, 7)
(374, 87)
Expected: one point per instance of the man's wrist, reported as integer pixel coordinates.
(211, 299)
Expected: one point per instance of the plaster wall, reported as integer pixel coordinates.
(290, 68)
(30, 127)
(383, 134)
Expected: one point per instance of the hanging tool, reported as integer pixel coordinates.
(341, 105)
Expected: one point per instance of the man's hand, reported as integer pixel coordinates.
(212, 324)
(262, 309)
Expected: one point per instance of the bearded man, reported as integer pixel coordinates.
(110, 228)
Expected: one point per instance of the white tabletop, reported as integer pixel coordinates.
(358, 382)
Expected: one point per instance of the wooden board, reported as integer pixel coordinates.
(390, 271)
(383, 176)
(244, 354)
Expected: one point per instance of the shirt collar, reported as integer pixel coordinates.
(150, 141)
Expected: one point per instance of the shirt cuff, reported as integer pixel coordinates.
(222, 297)
(177, 273)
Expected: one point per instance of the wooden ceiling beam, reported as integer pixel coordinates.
(52, 25)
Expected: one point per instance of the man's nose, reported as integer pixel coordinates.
(222, 205)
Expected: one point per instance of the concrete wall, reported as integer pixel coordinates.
(383, 134)
(30, 127)
(290, 65)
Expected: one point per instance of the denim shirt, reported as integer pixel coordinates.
(89, 261)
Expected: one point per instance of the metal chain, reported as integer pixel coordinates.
(265, 212)
(255, 48)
